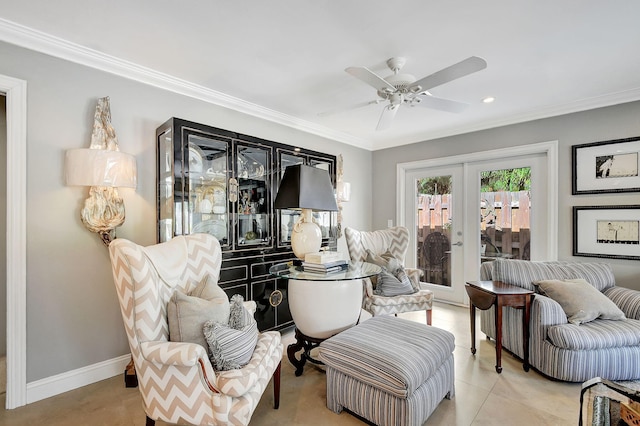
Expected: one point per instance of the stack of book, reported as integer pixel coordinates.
(324, 262)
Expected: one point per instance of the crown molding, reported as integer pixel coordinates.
(32, 39)
(603, 101)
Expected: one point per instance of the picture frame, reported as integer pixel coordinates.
(607, 231)
(606, 167)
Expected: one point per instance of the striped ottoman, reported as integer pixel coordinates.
(389, 370)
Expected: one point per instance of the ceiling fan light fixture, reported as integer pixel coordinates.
(398, 89)
(396, 99)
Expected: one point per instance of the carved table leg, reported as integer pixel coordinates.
(307, 344)
(292, 349)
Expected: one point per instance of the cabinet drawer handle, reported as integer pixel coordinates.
(275, 298)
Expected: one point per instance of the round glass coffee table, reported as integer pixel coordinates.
(322, 305)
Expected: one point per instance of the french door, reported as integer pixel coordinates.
(465, 210)
(437, 221)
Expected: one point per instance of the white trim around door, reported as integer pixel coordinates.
(16, 93)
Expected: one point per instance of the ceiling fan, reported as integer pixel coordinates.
(399, 89)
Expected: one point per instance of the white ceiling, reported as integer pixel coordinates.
(284, 60)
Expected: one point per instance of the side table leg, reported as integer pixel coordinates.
(292, 349)
(472, 312)
(525, 332)
(498, 308)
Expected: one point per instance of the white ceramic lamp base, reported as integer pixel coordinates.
(306, 236)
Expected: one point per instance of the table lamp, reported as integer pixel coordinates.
(306, 188)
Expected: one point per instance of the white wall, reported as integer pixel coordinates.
(616, 122)
(73, 318)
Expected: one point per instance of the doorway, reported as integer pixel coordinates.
(458, 217)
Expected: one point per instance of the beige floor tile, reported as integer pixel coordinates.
(558, 398)
(462, 409)
(500, 411)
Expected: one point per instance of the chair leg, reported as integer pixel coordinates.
(428, 316)
(150, 422)
(276, 387)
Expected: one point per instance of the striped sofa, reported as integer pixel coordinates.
(561, 350)
(389, 370)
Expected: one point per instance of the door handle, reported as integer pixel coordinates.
(459, 243)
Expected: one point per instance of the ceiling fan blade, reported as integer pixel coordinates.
(439, 103)
(461, 69)
(369, 77)
(347, 108)
(387, 116)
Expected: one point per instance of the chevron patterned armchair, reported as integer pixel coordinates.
(396, 241)
(177, 381)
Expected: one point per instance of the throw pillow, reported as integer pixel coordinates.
(187, 313)
(393, 285)
(231, 345)
(394, 266)
(385, 261)
(230, 348)
(580, 300)
(239, 316)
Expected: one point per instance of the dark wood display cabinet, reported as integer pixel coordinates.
(224, 183)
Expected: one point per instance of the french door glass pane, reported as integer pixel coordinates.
(505, 210)
(435, 204)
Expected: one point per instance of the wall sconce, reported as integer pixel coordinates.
(104, 168)
(343, 192)
(307, 188)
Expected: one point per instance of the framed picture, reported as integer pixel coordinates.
(607, 231)
(608, 166)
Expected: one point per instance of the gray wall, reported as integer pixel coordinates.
(73, 317)
(620, 121)
(3, 226)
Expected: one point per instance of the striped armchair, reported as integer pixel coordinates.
(559, 349)
(396, 241)
(176, 379)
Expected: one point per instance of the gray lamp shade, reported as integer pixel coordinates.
(305, 187)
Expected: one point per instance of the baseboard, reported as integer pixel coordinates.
(60, 383)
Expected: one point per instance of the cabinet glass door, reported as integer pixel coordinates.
(166, 183)
(253, 167)
(287, 218)
(326, 220)
(206, 208)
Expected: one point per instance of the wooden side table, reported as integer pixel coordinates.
(485, 294)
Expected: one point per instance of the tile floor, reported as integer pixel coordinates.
(483, 397)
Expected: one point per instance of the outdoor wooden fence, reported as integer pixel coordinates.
(504, 229)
